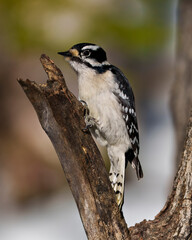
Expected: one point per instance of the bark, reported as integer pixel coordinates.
(61, 116)
(175, 220)
(181, 97)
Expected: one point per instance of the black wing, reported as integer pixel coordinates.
(125, 96)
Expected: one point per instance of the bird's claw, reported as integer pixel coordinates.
(86, 109)
(89, 121)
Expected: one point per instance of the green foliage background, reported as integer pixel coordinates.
(140, 27)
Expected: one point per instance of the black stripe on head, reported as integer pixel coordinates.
(99, 55)
(96, 52)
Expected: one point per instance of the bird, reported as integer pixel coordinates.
(110, 113)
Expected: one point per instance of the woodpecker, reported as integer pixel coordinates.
(110, 112)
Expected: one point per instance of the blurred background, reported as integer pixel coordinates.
(139, 37)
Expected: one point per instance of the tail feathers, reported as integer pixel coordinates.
(136, 164)
(130, 157)
(117, 183)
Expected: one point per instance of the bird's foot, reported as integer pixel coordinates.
(86, 109)
(89, 121)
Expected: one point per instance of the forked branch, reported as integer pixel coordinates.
(61, 116)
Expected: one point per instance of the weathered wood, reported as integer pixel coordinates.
(175, 220)
(61, 116)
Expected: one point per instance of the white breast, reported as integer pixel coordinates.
(97, 91)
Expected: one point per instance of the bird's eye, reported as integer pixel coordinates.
(86, 53)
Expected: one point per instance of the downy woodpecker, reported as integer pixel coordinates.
(110, 116)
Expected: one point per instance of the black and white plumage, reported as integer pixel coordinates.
(111, 116)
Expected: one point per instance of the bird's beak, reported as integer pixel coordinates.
(69, 54)
(65, 54)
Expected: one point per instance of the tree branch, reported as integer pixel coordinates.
(175, 220)
(61, 116)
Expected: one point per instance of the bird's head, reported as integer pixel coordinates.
(85, 55)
